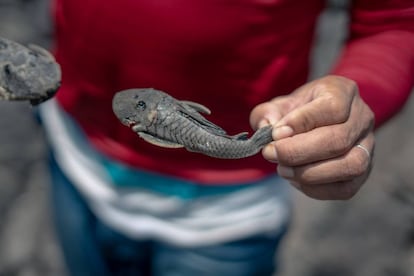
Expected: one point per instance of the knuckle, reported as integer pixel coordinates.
(339, 141)
(338, 93)
(348, 85)
(305, 123)
(300, 121)
(371, 116)
(322, 84)
(352, 85)
(338, 110)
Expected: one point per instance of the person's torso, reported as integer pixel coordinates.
(227, 55)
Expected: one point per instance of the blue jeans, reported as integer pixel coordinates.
(92, 248)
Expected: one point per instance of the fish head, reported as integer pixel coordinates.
(28, 73)
(137, 108)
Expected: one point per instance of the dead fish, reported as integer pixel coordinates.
(165, 121)
(27, 73)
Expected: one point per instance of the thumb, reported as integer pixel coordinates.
(265, 114)
(271, 113)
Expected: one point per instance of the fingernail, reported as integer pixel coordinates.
(263, 123)
(267, 121)
(282, 132)
(286, 172)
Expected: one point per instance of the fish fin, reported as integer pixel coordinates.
(240, 136)
(157, 141)
(262, 136)
(198, 107)
(191, 113)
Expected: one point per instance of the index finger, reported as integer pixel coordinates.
(330, 103)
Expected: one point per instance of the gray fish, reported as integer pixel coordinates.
(27, 73)
(167, 122)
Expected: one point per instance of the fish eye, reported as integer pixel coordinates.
(141, 105)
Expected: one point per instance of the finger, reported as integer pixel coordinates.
(353, 164)
(324, 142)
(333, 191)
(330, 103)
(268, 113)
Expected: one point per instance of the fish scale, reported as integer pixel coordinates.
(165, 121)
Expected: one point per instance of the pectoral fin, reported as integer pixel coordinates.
(157, 141)
(191, 111)
(198, 107)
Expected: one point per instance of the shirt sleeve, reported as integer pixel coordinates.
(379, 54)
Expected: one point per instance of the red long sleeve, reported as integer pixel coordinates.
(379, 54)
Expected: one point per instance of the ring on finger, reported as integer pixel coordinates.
(365, 150)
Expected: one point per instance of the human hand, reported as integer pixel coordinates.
(316, 132)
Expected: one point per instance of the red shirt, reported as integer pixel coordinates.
(228, 55)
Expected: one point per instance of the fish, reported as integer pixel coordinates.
(27, 73)
(162, 120)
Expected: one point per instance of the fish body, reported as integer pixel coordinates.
(27, 73)
(165, 121)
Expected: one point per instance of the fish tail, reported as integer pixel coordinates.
(262, 136)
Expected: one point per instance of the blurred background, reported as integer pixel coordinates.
(372, 234)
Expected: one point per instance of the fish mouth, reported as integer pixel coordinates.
(131, 123)
(127, 122)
